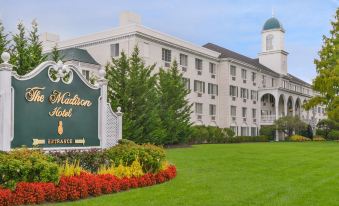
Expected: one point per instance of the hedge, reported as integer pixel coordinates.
(79, 187)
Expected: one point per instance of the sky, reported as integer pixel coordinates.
(235, 25)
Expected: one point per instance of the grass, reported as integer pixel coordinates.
(242, 174)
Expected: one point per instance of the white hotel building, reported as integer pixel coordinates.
(227, 89)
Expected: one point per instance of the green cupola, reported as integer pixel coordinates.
(272, 23)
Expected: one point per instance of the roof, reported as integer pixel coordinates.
(296, 79)
(76, 54)
(226, 53)
(272, 23)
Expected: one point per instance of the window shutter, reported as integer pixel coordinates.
(203, 87)
(195, 85)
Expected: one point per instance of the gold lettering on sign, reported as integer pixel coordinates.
(58, 112)
(58, 97)
(34, 94)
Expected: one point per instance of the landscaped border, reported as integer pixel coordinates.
(79, 187)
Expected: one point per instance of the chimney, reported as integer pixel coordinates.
(127, 18)
(49, 37)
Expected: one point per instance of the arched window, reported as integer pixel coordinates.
(269, 43)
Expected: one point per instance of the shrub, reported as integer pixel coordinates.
(199, 135)
(318, 138)
(210, 134)
(89, 160)
(24, 165)
(268, 131)
(126, 142)
(135, 170)
(307, 132)
(78, 187)
(71, 169)
(150, 156)
(298, 138)
(333, 135)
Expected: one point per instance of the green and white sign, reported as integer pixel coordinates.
(55, 107)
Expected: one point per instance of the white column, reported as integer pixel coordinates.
(103, 107)
(119, 113)
(5, 103)
(276, 105)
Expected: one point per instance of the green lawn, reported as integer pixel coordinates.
(242, 174)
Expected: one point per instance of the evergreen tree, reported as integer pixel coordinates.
(327, 79)
(4, 42)
(35, 47)
(175, 109)
(117, 76)
(56, 54)
(20, 56)
(133, 87)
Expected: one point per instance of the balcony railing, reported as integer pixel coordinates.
(267, 118)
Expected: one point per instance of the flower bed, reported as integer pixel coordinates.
(79, 187)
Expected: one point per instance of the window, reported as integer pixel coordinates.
(319, 110)
(233, 91)
(253, 131)
(86, 74)
(183, 60)
(254, 113)
(263, 80)
(269, 42)
(244, 131)
(243, 73)
(212, 89)
(198, 108)
(213, 109)
(233, 70)
(212, 68)
(114, 50)
(199, 86)
(244, 93)
(233, 111)
(254, 95)
(244, 112)
(166, 55)
(187, 83)
(273, 82)
(254, 76)
(198, 64)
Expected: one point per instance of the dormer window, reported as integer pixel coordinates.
(269, 42)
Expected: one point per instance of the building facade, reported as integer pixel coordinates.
(227, 89)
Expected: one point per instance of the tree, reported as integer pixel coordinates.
(4, 42)
(175, 109)
(35, 47)
(20, 54)
(326, 82)
(56, 54)
(290, 124)
(117, 76)
(325, 126)
(132, 86)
